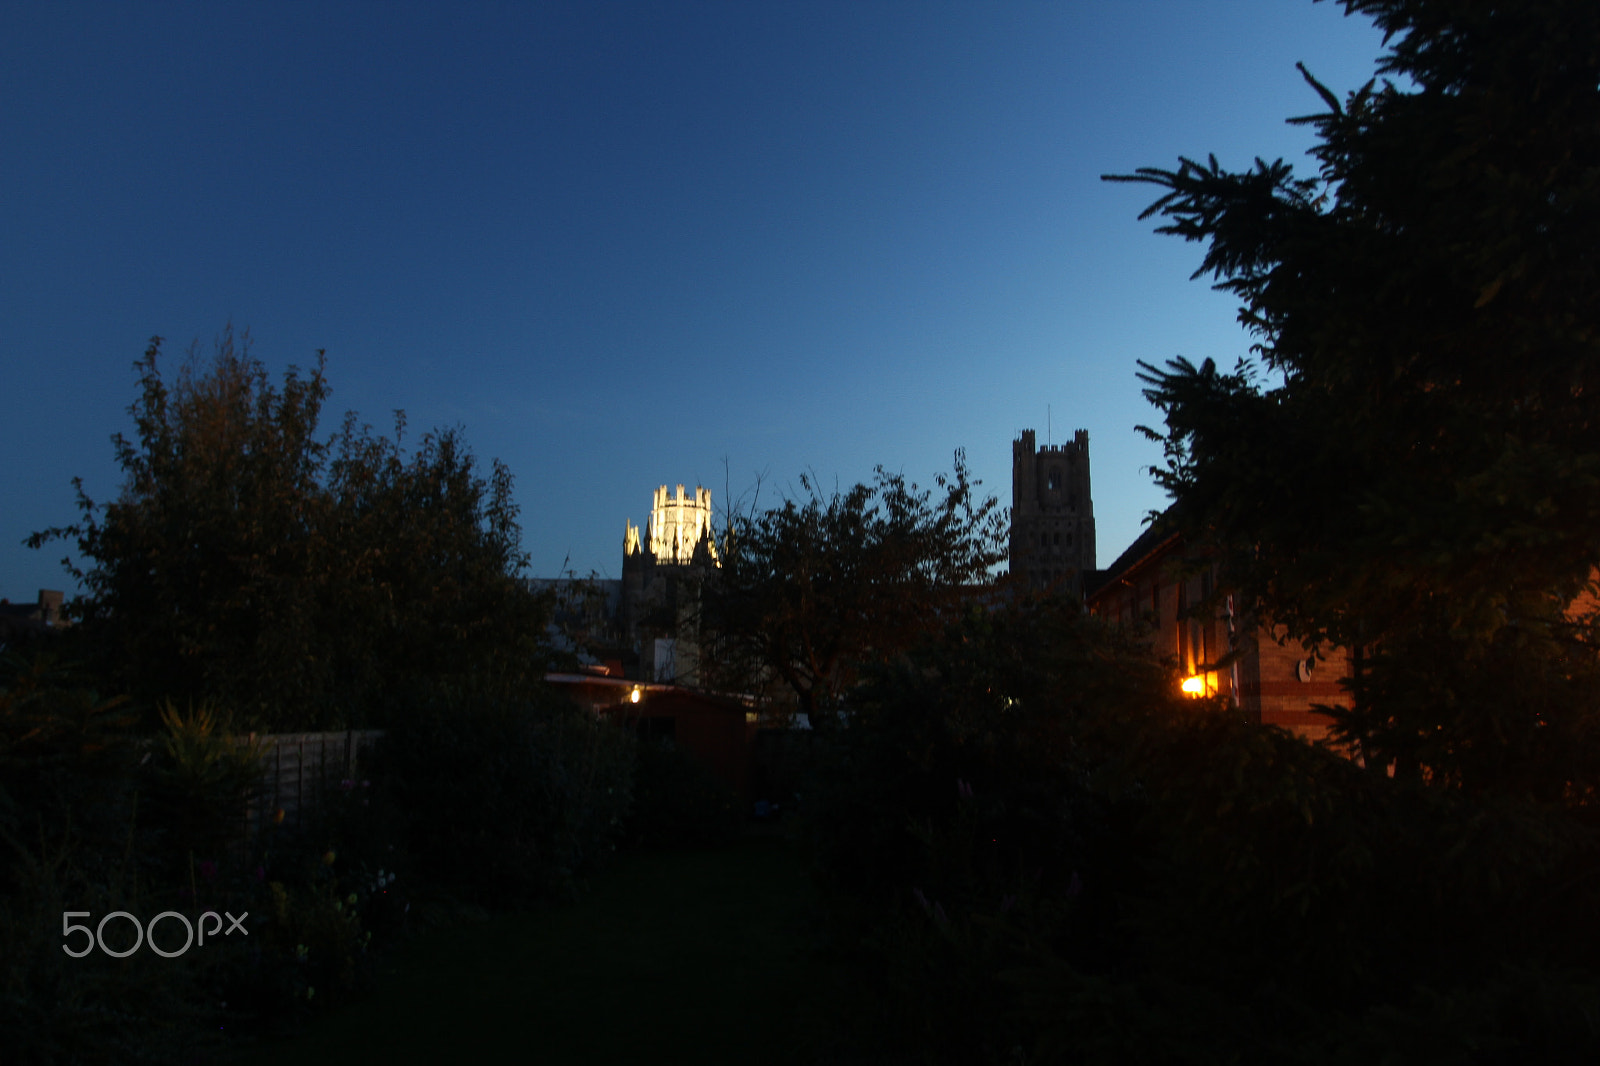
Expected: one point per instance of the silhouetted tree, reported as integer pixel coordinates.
(1411, 460)
(810, 590)
(298, 580)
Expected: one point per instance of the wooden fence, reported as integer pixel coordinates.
(299, 770)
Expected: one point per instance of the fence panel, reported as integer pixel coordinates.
(300, 769)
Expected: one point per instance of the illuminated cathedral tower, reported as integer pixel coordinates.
(679, 528)
(661, 574)
(1052, 514)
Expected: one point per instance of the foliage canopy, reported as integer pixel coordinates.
(810, 590)
(1411, 462)
(301, 580)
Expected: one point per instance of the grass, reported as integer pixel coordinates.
(677, 956)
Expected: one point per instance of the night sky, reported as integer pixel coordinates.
(630, 245)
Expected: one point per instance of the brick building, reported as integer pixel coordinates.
(1158, 583)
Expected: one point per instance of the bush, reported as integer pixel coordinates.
(990, 727)
(507, 800)
(957, 818)
(196, 785)
(72, 839)
(324, 898)
(55, 1008)
(679, 801)
(497, 797)
(1334, 907)
(1039, 853)
(96, 817)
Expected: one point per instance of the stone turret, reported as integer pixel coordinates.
(1052, 512)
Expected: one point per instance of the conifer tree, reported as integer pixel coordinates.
(1409, 461)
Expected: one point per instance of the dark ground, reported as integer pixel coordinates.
(673, 956)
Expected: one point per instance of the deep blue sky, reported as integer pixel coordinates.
(619, 244)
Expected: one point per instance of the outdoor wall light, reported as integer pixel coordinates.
(1194, 686)
(633, 694)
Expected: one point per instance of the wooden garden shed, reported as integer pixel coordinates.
(718, 730)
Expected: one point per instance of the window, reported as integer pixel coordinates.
(1183, 627)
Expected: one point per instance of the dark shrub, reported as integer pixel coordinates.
(679, 801)
(507, 800)
(72, 839)
(195, 783)
(1039, 853)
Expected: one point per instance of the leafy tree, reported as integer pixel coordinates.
(1410, 462)
(299, 580)
(810, 590)
(428, 557)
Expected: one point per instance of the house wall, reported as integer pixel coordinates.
(1271, 685)
(1158, 589)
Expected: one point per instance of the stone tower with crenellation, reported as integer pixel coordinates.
(1052, 514)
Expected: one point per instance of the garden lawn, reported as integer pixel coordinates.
(679, 956)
